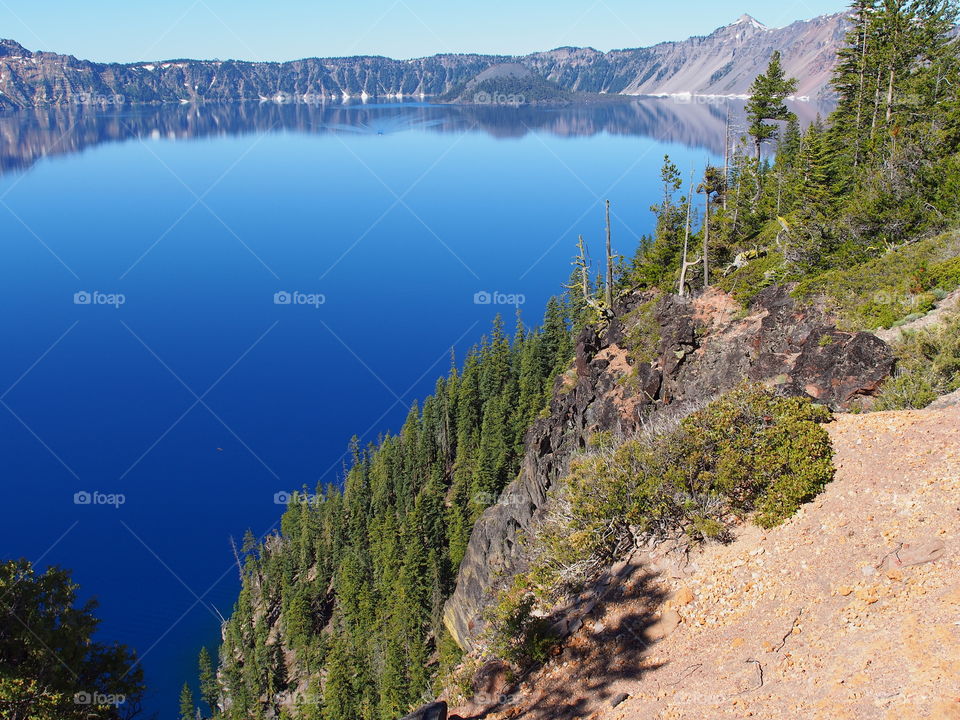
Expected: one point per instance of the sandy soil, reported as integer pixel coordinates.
(849, 610)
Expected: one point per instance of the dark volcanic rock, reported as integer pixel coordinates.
(703, 351)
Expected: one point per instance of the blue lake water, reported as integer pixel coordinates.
(199, 397)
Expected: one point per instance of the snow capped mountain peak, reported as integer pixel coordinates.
(751, 21)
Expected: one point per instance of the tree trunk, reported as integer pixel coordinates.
(706, 243)
(890, 96)
(726, 155)
(609, 281)
(686, 241)
(876, 103)
(863, 69)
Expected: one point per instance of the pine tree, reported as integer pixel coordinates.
(339, 702)
(186, 703)
(209, 691)
(766, 102)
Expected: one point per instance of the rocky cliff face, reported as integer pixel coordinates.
(704, 346)
(724, 63)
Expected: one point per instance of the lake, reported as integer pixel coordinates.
(203, 304)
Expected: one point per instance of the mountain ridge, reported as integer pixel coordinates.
(721, 63)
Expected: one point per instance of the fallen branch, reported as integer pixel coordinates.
(759, 670)
(783, 642)
(692, 669)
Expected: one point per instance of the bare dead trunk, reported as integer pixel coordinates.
(686, 241)
(608, 296)
(706, 243)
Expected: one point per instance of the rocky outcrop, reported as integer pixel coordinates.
(723, 63)
(703, 346)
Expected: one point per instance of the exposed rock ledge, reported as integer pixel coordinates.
(706, 346)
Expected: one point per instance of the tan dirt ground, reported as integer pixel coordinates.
(851, 610)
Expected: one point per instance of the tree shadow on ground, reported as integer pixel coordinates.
(610, 648)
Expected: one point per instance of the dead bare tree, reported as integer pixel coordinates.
(608, 290)
(686, 241)
(236, 557)
(582, 284)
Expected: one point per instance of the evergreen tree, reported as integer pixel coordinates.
(187, 707)
(766, 102)
(209, 691)
(48, 654)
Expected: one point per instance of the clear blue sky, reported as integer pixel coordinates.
(130, 30)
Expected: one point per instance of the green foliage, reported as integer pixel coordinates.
(50, 666)
(518, 90)
(766, 101)
(209, 691)
(928, 366)
(657, 258)
(643, 336)
(881, 171)
(517, 634)
(186, 703)
(882, 291)
(358, 575)
(758, 273)
(748, 453)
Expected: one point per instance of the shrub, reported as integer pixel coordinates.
(885, 290)
(928, 366)
(749, 453)
(643, 334)
(517, 634)
(745, 283)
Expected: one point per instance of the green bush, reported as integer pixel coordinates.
(517, 634)
(753, 277)
(749, 453)
(928, 365)
(643, 332)
(885, 290)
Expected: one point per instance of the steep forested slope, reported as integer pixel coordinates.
(789, 262)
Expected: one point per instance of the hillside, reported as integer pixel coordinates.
(848, 610)
(672, 408)
(724, 62)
